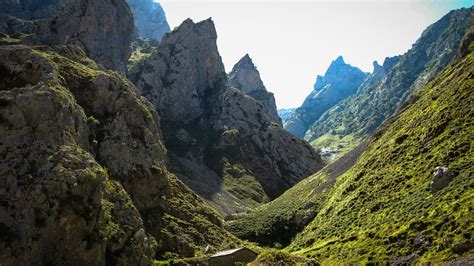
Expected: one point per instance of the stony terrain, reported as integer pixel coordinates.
(213, 132)
(84, 175)
(245, 77)
(105, 37)
(80, 140)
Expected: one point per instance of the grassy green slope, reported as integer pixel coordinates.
(383, 208)
(278, 221)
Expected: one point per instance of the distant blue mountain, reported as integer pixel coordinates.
(339, 82)
(150, 19)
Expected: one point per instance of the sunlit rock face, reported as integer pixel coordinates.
(340, 81)
(103, 29)
(245, 77)
(222, 141)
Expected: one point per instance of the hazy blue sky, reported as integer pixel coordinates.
(291, 42)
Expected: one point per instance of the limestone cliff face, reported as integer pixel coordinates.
(221, 141)
(340, 81)
(84, 174)
(185, 68)
(103, 29)
(150, 19)
(245, 77)
(31, 9)
(59, 203)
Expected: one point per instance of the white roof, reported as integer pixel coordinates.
(226, 252)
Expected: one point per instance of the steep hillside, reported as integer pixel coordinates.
(245, 77)
(222, 143)
(103, 29)
(278, 221)
(84, 173)
(150, 19)
(340, 81)
(85, 147)
(405, 195)
(410, 196)
(349, 122)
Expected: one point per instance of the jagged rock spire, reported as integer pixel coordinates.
(245, 77)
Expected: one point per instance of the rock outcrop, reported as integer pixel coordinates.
(150, 19)
(441, 178)
(31, 9)
(340, 81)
(84, 171)
(59, 204)
(103, 29)
(245, 77)
(222, 143)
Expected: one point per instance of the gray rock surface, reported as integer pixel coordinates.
(245, 77)
(103, 29)
(31, 9)
(59, 205)
(185, 68)
(150, 19)
(340, 81)
(84, 175)
(441, 178)
(217, 136)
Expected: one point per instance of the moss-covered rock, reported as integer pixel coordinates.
(108, 167)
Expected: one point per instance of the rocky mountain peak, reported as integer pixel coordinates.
(377, 67)
(339, 60)
(245, 76)
(339, 82)
(186, 66)
(214, 132)
(339, 69)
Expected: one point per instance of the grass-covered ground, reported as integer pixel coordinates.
(383, 209)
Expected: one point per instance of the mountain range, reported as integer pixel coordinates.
(125, 143)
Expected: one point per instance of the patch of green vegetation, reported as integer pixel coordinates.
(190, 223)
(142, 48)
(241, 183)
(6, 39)
(10, 40)
(91, 120)
(332, 147)
(383, 208)
(278, 221)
